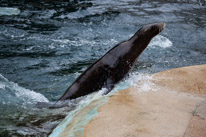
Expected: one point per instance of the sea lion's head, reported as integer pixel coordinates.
(144, 35)
(151, 30)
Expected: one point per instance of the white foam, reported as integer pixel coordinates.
(2, 86)
(160, 41)
(134, 81)
(14, 91)
(9, 11)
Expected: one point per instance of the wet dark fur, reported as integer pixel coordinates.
(114, 65)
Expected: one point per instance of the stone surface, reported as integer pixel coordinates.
(197, 125)
(174, 106)
(187, 79)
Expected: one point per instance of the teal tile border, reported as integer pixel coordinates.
(80, 126)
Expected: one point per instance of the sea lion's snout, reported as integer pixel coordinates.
(161, 26)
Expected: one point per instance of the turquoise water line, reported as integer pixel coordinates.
(79, 127)
(92, 113)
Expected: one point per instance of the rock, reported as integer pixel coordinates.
(188, 79)
(174, 107)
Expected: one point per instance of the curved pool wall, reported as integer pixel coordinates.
(78, 119)
(84, 120)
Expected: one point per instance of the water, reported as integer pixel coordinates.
(45, 45)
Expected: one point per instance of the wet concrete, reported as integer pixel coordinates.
(175, 106)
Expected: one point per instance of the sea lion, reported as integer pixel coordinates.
(114, 65)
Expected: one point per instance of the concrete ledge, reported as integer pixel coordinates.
(174, 107)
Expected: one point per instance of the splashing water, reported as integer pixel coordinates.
(160, 41)
(9, 11)
(12, 93)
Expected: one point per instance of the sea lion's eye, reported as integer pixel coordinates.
(153, 28)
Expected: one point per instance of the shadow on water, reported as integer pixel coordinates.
(46, 44)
